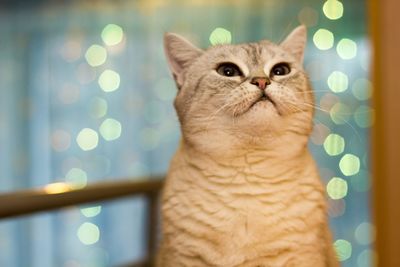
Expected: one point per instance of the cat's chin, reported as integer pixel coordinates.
(261, 117)
(262, 109)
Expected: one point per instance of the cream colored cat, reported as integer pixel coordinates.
(242, 189)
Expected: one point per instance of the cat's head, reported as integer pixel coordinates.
(245, 95)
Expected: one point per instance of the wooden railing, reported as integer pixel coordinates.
(60, 195)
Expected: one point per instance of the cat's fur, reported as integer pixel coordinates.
(242, 189)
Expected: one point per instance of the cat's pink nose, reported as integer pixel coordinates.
(261, 82)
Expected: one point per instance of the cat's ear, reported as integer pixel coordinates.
(179, 53)
(295, 42)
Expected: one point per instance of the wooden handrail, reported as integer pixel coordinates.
(61, 195)
(48, 198)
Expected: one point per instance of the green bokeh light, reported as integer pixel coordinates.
(96, 55)
(220, 36)
(367, 258)
(343, 249)
(91, 211)
(365, 233)
(346, 49)
(362, 89)
(98, 107)
(334, 144)
(333, 9)
(340, 113)
(364, 116)
(87, 139)
(110, 129)
(337, 188)
(112, 34)
(323, 39)
(338, 82)
(109, 81)
(349, 164)
(88, 233)
(76, 177)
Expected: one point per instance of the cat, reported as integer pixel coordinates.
(242, 188)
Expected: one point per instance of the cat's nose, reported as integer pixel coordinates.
(261, 82)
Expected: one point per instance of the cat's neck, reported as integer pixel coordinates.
(252, 161)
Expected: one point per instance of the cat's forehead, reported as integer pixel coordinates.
(256, 52)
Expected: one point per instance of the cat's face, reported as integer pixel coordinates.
(241, 94)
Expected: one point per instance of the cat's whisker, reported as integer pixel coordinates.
(313, 91)
(212, 116)
(340, 115)
(320, 122)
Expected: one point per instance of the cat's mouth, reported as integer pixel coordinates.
(256, 101)
(263, 98)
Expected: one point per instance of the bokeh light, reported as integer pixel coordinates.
(346, 49)
(96, 55)
(340, 113)
(333, 9)
(328, 100)
(319, 133)
(349, 164)
(337, 188)
(220, 36)
(71, 51)
(87, 139)
(88, 233)
(76, 177)
(109, 80)
(365, 233)
(323, 39)
(343, 249)
(149, 138)
(112, 34)
(334, 144)
(308, 16)
(60, 140)
(91, 211)
(110, 129)
(98, 107)
(57, 188)
(367, 258)
(364, 116)
(338, 82)
(362, 89)
(336, 207)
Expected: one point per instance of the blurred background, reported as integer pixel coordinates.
(86, 95)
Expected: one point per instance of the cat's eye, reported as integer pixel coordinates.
(229, 70)
(280, 69)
